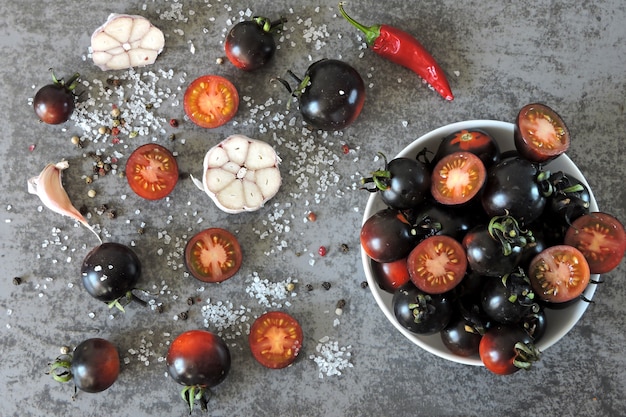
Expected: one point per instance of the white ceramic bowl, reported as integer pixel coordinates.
(559, 321)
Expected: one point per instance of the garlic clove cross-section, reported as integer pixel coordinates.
(125, 41)
(240, 174)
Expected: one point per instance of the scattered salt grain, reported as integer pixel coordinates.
(331, 359)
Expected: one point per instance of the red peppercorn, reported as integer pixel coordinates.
(322, 251)
(311, 216)
(345, 149)
(115, 131)
(173, 122)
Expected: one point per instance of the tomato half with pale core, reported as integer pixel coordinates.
(213, 255)
(559, 273)
(275, 339)
(152, 171)
(211, 101)
(457, 178)
(540, 133)
(437, 264)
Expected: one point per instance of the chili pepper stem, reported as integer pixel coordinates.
(371, 32)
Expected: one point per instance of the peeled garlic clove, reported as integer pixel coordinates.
(126, 41)
(49, 188)
(240, 174)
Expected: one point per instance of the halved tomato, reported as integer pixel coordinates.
(275, 339)
(559, 274)
(152, 171)
(210, 101)
(437, 264)
(213, 255)
(601, 238)
(457, 178)
(540, 133)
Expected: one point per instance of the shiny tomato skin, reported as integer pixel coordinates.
(457, 178)
(198, 358)
(248, 46)
(391, 275)
(387, 236)
(54, 103)
(559, 274)
(437, 264)
(152, 171)
(601, 238)
(422, 313)
(213, 255)
(95, 365)
(110, 270)
(211, 101)
(540, 133)
(460, 338)
(476, 141)
(275, 339)
(497, 348)
(408, 184)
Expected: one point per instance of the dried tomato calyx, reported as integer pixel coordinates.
(508, 232)
(525, 355)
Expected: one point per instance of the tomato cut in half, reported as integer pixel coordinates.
(213, 255)
(437, 264)
(457, 178)
(559, 274)
(275, 339)
(152, 171)
(210, 101)
(601, 238)
(540, 133)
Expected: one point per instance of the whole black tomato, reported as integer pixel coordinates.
(513, 187)
(535, 324)
(402, 184)
(250, 44)
(387, 236)
(331, 95)
(54, 103)
(485, 254)
(460, 337)
(110, 271)
(509, 299)
(506, 348)
(420, 312)
(447, 220)
(476, 141)
(569, 198)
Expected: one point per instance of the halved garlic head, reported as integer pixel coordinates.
(126, 41)
(240, 174)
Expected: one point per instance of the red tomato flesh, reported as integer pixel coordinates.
(559, 273)
(540, 133)
(275, 339)
(152, 171)
(213, 255)
(211, 101)
(457, 178)
(437, 264)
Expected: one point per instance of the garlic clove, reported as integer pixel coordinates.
(49, 188)
(126, 41)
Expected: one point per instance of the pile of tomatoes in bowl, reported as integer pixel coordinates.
(482, 242)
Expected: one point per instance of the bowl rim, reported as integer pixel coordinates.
(490, 126)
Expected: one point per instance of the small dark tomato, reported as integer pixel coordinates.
(422, 313)
(213, 255)
(446, 220)
(486, 255)
(513, 187)
(437, 264)
(332, 95)
(95, 365)
(460, 337)
(559, 274)
(390, 275)
(211, 101)
(54, 103)
(540, 133)
(402, 184)
(535, 324)
(509, 299)
(601, 239)
(457, 178)
(387, 236)
(275, 339)
(110, 271)
(152, 171)
(250, 44)
(569, 199)
(507, 348)
(476, 141)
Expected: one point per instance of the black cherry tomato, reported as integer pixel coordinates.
(476, 141)
(460, 337)
(211, 101)
(199, 360)
(213, 255)
(275, 339)
(540, 133)
(559, 274)
(601, 239)
(152, 171)
(457, 178)
(437, 264)
(54, 103)
(387, 236)
(421, 313)
(95, 365)
(507, 348)
(250, 44)
(508, 299)
(391, 275)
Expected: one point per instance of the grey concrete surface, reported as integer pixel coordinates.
(498, 57)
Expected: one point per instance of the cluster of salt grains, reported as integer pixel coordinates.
(270, 294)
(331, 359)
(226, 320)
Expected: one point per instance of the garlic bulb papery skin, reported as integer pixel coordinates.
(240, 174)
(126, 41)
(49, 188)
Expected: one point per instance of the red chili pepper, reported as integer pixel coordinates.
(402, 48)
